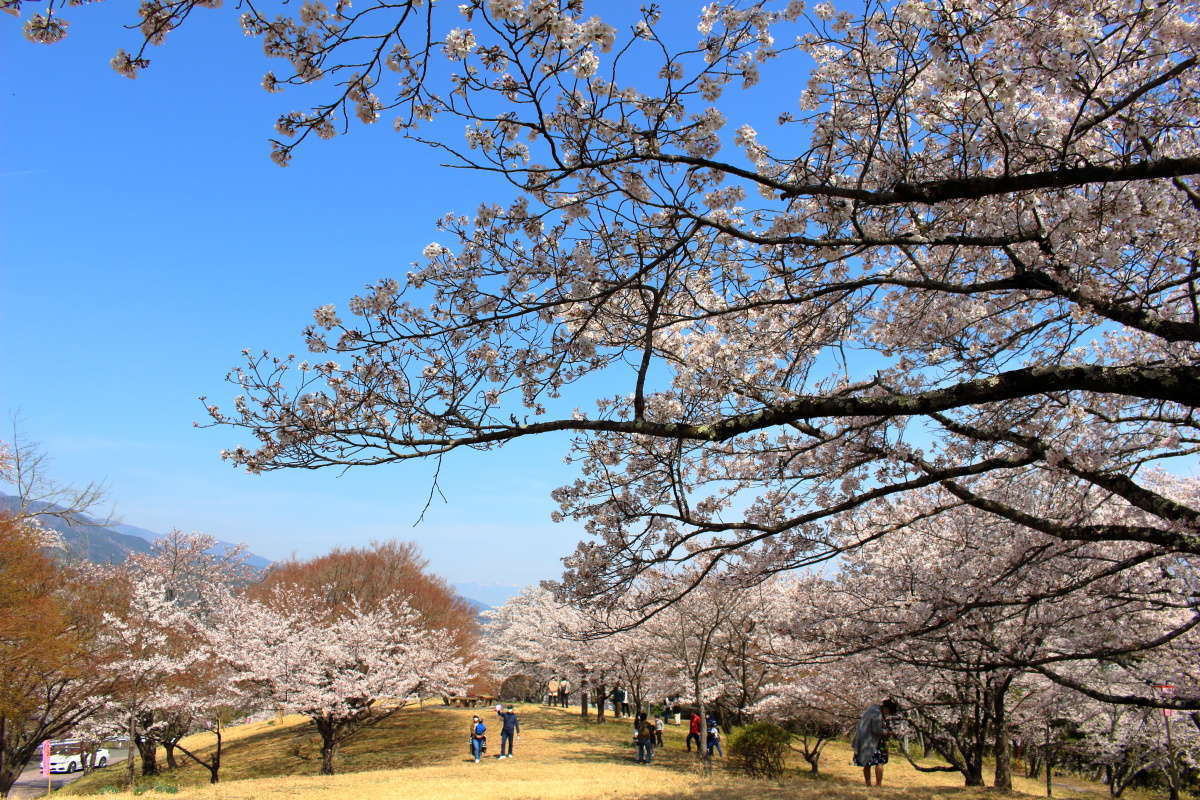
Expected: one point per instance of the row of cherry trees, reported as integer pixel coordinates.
(996, 638)
(705, 650)
(187, 638)
(998, 641)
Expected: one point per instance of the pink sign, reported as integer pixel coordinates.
(46, 758)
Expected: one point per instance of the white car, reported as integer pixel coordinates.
(68, 756)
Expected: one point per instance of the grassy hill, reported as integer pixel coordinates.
(421, 754)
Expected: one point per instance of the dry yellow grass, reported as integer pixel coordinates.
(559, 759)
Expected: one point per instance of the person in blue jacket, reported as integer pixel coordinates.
(714, 737)
(478, 737)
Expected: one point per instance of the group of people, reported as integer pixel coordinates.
(714, 734)
(648, 734)
(510, 728)
(869, 743)
(558, 690)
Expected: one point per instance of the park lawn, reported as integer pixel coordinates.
(290, 746)
(421, 754)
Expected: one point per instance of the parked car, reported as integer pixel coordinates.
(68, 755)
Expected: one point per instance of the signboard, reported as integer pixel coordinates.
(46, 758)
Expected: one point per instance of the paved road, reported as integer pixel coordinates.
(32, 784)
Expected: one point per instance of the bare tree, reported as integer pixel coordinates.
(25, 467)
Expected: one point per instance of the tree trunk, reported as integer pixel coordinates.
(583, 696)
(214, 768)
(148, 751)
(213, 765)
(130, 768)
(10, 770)
(600, 702)
(170, 748)
(8, 776)
(328, 751)
(1002, 779)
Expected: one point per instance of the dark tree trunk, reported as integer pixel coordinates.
(147, 746)
(148, 752)
(213, 765)
(214, 768)
(583, 696)
(1003, 748)
(10, 770)
(600, 702)
(328, 751)
(170, 748)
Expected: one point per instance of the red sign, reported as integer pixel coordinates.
(46, 758)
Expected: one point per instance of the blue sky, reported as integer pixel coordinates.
(146, 238)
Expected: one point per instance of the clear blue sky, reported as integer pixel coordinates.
(146, 238)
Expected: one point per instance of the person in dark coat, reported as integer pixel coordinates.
(870, 739)
(510, 726)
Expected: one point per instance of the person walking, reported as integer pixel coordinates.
(870, 739)
(510, 726)
(552, 688)
(478, 737)
(643, 732)
(658, 729)
(714, 737)
(694, 732)
(564, 692)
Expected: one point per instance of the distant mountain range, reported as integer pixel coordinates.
(105, 543)
(110, 543)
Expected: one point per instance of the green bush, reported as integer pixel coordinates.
(759, 749)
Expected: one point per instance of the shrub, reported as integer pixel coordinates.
(759, 749)
(523, 688)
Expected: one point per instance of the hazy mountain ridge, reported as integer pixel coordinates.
(105, 543)
(111, 543)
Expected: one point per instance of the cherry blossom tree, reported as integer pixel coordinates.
(345, 669)
(206, 698)
(533, 630)
(148, 646)
(819, 702)
(966, 260)
(156, 640)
